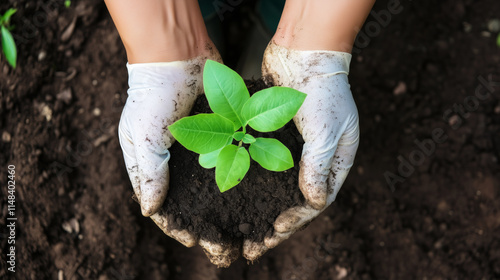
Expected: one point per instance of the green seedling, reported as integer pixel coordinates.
(8, 44)
(212, 135)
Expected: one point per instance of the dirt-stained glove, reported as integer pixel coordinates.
(159, 94)
(328, 123)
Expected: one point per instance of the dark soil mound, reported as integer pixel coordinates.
(245, 211)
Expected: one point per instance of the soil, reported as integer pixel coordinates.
(248, 210)
(76, 218)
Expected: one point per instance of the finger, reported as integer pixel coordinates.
(317, 158)
(128, 150)
(183, 236)
(343, 161)
(276, 239)
(253, 250)
(220, 254)
(294, 218)
(290, 221)
(153, 177)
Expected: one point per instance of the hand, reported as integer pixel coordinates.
(328, 123)
(160, 94)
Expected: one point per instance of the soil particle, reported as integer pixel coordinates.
(245, 228)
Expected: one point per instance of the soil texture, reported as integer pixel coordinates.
(425, 80)
(248, 210)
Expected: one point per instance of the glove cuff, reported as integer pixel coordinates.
(165, 74)
(315, 62)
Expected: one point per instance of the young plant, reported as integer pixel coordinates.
(211, 135)
(8, 44)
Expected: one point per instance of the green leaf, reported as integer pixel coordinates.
(238, 135)
(67, 3)
(498, 40)
(232, 165)
(270, 109)
(6, 17)
(203, 133)
(9, 47)
(225, 90)
(271, 154)
(209, 160)
(248, 139)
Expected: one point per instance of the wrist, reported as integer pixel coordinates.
(161, 31)
(321, 24)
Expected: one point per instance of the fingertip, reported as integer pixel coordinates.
(148, 209)
(153, 194)
(150, 204)
(276, 239)
(253, 250)
(314, 187)
(183, 236)
(221, 254)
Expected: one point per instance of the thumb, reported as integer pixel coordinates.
(325, 164)
(313, 174)
(147, 169)
(154, 177)
(343, 161)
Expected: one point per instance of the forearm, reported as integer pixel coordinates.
(160, 30)
(321, 24)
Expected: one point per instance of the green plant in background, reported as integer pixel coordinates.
(67, 3)
(211, 135)
(498, 40)
(8, 44)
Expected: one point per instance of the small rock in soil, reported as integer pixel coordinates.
(467, 27)
(486, 34)
(497, 109)
(400, 88)
(71, 226)
(6, 137)
(69, 30)
(341, 272)
(245, 228)
(453, 120)
(494, 25)
(42, 55)
(44, 110)
(65, 95)
(96, 112)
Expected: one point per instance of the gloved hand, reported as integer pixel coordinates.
(160, 94)
(328, 123)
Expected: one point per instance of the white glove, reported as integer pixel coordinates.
(160, 94)
(328, 123)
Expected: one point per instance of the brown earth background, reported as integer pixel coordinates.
(76, 219)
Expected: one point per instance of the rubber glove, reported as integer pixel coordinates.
(158, 95)
(328, 123)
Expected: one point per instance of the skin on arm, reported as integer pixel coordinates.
(160, 30)
(321, 24)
